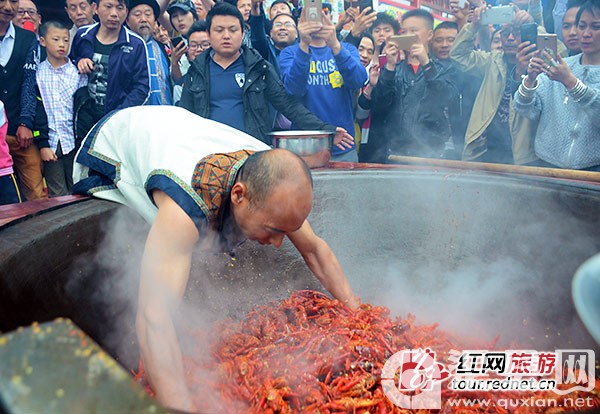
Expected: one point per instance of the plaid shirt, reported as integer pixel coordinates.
(57, 88)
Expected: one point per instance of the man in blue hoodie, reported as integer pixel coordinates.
(115, 60)
(324, 72)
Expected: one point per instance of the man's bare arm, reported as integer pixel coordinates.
(165, 271)
(322, 262)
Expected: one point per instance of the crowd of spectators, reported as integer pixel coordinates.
(462, 89)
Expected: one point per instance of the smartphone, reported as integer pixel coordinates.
(348, 4)
(176, 40)
(363, 4)
(529, 33)
(404, 42)
(548, 43)
(382, 61)
(462, 3)
(314, 10)
(498, 15)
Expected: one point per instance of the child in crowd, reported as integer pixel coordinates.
(57, 80)
(9, 189)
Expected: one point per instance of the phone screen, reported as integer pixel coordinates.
(176, 40)
(529, 33)
(382, 61)
(363, 4)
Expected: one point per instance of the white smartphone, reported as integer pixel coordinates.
(462, 3)
(498, 15)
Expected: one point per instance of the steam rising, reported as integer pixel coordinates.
(480, 257)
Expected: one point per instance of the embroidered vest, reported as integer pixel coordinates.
(213, 178)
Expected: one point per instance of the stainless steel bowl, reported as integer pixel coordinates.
(303, 142)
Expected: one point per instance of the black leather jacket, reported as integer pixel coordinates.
(409, 113)
(261, 88)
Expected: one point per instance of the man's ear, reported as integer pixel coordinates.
(238, 193)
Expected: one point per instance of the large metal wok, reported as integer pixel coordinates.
(483, 254)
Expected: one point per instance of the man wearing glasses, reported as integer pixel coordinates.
(141, 19)
(17, 91)
(28, 12)
(493, 128)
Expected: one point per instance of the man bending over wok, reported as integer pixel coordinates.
(187, 182)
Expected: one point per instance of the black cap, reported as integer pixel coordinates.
(185, 5)
(151, 3)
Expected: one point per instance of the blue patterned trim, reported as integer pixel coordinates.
(181, 192)
(104, 171)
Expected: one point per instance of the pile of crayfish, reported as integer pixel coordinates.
(310, 354)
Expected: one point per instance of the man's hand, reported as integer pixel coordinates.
(85, 66)
(521, 17)
(525, 52)
(165, 271)
(373, 74)
(322, 262)
(306, 30)
(419, 52)
(348, 16)
(391, 52)
(343, 140)
(177, 52)
(329, 34)
(24, 136)
(363, 22)
(48, 155)
(256, 6)
(477, 14)
(460, 14)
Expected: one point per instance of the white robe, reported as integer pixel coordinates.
(142, 143)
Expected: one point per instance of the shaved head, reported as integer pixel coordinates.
(263, 172)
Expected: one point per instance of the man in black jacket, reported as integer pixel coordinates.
(409, 105)
(17, 91)
(234, 85)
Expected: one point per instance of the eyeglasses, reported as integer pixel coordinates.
(203, 45)
(287, 25)
(31, 12)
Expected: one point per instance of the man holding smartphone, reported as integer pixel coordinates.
(408, 104)
(493, 131)
(324, 72)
